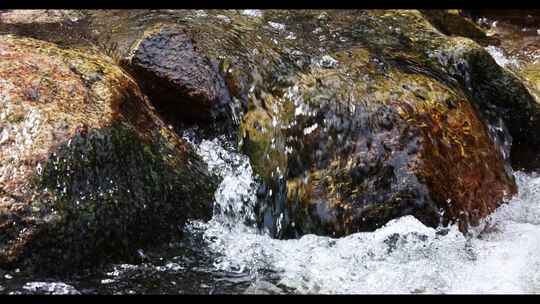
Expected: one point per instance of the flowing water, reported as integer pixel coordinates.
(229, 255)
(403, 257)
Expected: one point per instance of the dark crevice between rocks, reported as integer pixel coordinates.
(525, 157)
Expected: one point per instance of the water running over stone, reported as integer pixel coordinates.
(404, 256)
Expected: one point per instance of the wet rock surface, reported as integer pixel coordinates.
(416, 50)
(180, 80)
(454, 23)
(260, 64)
(39, 16)
(66, 27)
(367, 142)
(351, 119)
(519, 52)
(89, 172)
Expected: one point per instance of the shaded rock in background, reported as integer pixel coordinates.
(519, 54)
(453, 23)
(66, 27)
(523, 17)
(180, 80)
(89, 172)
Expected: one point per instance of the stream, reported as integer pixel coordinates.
(229, 255)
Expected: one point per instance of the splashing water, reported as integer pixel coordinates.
(229, 255)
(404, 256)
(48, 288)
(236, 195)
(500, 57)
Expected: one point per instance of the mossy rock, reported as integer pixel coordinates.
(369, 141)
(263, 59)
(90, 173)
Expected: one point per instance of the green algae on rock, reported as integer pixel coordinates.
(89, 172)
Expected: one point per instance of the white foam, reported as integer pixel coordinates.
(252, 13)
(277, 26)
(52, 288)
(501, 59)
(404, 256)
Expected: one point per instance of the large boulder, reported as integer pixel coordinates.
(432, 122)
(348, 148)
(88, 171)
(499, 95)
(320, 172)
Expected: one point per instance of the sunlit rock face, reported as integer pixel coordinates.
(368, 133)
(350, 147)
(39, 16)
(88, 171)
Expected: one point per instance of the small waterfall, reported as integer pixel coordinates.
(235, 197)
(404, 256)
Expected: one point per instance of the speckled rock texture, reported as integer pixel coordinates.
(348, 148)
(39, 16)
(350, 118)
(88, 171)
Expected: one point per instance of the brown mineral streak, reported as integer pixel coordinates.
(469, 154)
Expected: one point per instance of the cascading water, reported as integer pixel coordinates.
(404, 256)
